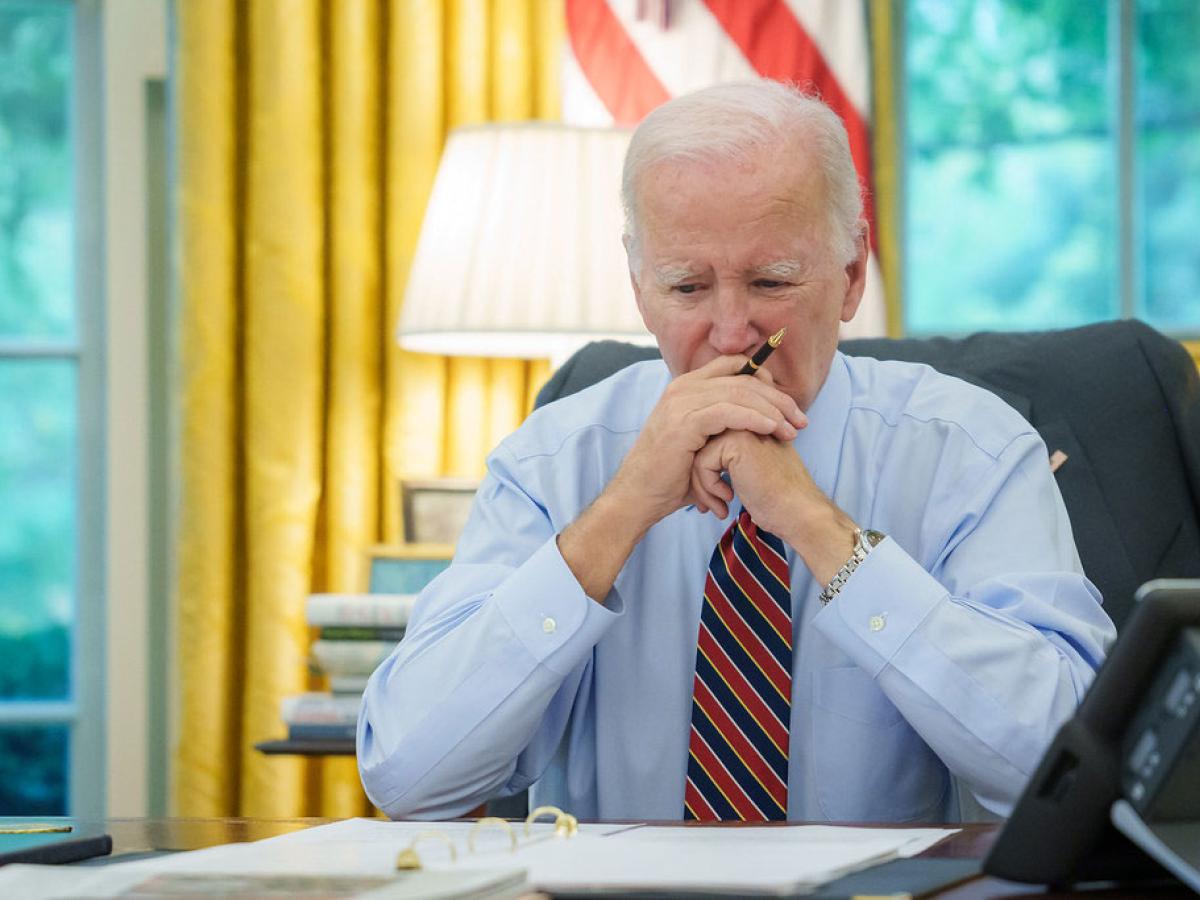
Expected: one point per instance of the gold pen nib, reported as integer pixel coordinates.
(777, 338)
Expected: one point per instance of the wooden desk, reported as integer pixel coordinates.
(141, 835)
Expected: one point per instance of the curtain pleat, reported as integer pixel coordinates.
(284, 368)
(208, 574)
(309, 137)
(357, 328)
(415, 384)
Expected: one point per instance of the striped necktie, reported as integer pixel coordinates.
(738, 749)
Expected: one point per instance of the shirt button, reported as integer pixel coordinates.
(877, 623)
(548, 625)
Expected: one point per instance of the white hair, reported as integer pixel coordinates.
(735, 122)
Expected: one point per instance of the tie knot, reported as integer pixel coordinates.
(750, 531)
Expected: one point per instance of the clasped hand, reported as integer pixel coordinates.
(710, 421)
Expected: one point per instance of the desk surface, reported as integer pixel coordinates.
(140, 835)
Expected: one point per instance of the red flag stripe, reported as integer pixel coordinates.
(749, 640)
(742, 746)
(612, 63)
(726, 783)
(779, 620)
(743, 690)
(778, 47)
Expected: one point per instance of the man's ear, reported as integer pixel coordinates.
(856, 276)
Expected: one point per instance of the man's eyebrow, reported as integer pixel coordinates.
(784, 269)
(669, 275)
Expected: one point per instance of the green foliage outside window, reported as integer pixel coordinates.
(38, 413)
(1012, 203)
(37, 528)
(1168, 148)
(36, 159)
(33, 767)
(38, 407)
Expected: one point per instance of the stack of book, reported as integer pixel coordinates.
(355, 633)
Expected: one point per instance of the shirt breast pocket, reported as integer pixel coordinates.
(870, 765)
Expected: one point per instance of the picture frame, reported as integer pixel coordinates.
(404, 568)
(434, 510)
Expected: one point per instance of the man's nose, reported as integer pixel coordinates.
(731, 330)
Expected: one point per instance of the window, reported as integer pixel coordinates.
(1052, 163)
(48, 391)
(1167, 153)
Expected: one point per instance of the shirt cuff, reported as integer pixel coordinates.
(885, 600)
(549, 613)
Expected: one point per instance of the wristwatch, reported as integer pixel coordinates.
(865, 541)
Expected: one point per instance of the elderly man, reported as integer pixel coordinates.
(839, 589)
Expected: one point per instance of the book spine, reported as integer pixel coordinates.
(361, 633)
(390, 610)
(320, 709)
(350, 657)
(349, 685)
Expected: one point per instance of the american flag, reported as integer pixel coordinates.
(625, 57)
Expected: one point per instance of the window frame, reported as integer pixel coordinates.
(87, 795)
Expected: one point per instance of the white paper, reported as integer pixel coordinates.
(769, 867)
(909, 841)
(751, 859)
(768, 860)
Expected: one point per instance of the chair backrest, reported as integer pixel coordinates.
(1121, 400)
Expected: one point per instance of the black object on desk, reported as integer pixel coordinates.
(1129, 757)
(49, 848)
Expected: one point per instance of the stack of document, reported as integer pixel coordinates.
(357, 857)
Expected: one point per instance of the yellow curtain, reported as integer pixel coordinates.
(308, 137)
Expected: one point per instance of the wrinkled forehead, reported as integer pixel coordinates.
(767, 183)
(770, 215)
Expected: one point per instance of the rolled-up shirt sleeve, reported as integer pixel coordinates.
(473, 702)
(985, 634)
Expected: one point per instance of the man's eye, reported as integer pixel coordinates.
(687, 288)
(768, 284)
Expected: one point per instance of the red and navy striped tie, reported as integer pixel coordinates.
(741, 700)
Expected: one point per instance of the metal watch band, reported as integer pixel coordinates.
(865, 540)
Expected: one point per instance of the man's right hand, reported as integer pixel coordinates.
(654, 479)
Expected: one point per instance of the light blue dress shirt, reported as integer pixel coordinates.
(941, 670)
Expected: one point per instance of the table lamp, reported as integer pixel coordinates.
(520, 251)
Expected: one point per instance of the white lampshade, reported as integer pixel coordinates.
(520, 252)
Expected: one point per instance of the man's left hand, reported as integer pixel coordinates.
(775, 486)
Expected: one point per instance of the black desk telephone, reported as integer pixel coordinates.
(1117, 795)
